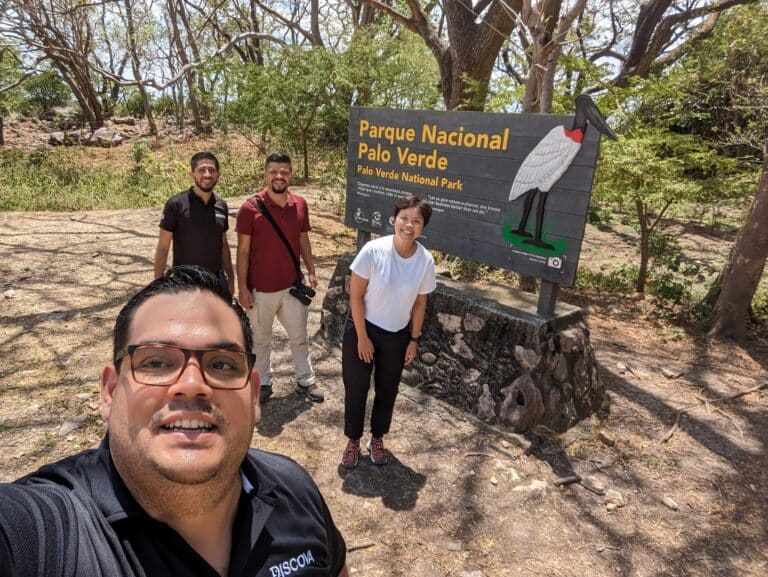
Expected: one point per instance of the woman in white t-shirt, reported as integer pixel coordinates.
(391, 278)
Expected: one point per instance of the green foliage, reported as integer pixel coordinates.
(392, 70)
(43, 92)
(303, 95)
(10, 72)
(655, 166)
(131, 104)
(719, 89)
(65, 179)
(621, 280)
(164, 106)
(598, 215)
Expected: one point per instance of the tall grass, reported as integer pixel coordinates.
(69, 179)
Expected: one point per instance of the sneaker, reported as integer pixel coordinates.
(351, 454)
(312, 392)
(265, 393)
(376, 451)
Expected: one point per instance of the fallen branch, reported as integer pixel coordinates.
(567, 480)
(360, 545)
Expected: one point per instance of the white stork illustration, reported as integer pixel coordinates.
(547, 162)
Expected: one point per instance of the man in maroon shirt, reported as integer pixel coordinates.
(266, 272)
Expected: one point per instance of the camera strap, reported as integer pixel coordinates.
(262, 208)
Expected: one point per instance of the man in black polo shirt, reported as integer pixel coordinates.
(173, 490)
(196, 222)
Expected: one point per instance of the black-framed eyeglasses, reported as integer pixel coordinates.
(162, 365)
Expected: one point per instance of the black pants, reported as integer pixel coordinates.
(387, 367)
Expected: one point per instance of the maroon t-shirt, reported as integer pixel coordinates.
(270, 266)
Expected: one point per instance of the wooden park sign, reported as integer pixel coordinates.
(508, 190)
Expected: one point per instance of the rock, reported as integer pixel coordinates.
(670, 502)
(534, 488)
(528, 359)
(522, 407)
(486, 406)
(72, 137)
(454, 546)
(93, 406)
(672, 374)
(606, 438)
(621, 367)
(127, 120)
(9, 294)
(459, 347)
(572, 340)
(611, 507)
(473, 323)
(335, 291)
(471, 574)
(104, 137)
(71, 424)
(505, 444)
(494, 481)
(592, 484)
(471, 377)
(450, 323)
(428, 359)
(614, 310)
(560, 368)
(613, 497)
(56, 139)
(327, 317)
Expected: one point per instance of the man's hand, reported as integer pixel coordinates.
(245, 297)
(312, 280)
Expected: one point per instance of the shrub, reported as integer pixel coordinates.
(43, 92)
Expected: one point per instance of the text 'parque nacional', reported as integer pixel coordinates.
(428, 134)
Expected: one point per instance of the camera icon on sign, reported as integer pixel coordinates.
(555, 262)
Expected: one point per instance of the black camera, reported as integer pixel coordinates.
(302, 292)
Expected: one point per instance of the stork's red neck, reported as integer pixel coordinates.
(577, 134)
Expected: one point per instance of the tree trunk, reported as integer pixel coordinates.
(189, 75)
(133, 48)
(737, 282)
(645, 246)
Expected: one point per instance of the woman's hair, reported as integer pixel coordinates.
(412, 201)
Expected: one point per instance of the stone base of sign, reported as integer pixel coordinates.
(486, 351)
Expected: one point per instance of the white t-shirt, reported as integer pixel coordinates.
(394, 282)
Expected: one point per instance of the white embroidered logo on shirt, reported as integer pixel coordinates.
(292, 565)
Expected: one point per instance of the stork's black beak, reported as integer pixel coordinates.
(586, 109)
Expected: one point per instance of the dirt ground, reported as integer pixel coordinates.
(459, 498)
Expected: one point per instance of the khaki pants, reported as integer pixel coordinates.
(293, 316)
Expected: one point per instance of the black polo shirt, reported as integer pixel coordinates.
(76, 518)
(197, 228)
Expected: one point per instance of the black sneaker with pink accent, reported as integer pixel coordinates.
(351, 454)
(376, 451)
